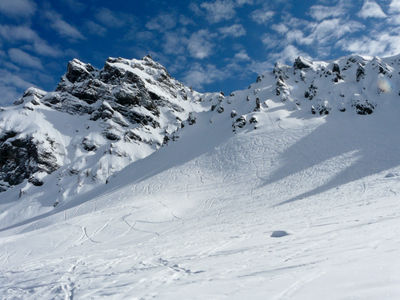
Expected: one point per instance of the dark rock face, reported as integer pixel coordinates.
(78, 71)
(336, 68)
(360, 73)
(363, 108)
(321, 109)
(239, 122)
(311, 92)
(22, 157)
(83, 86)
(301, 63)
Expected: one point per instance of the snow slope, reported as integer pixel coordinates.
(197, 218)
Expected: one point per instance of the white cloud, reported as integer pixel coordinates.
(199, 75)
(162, 22)
(382, 44)
(371, 9)
(280, 28)
(235, 30)
(144, 35)
(243, 2)
(11, 86)
(75, 5)
(110, 18)
(321, 12)
(24, 59)
(17, 8)
(242, 55)
(394, 6)
(199, 44)
(297, 36)
(16, 34)
(174, 43)
(330, 30)
(288, 54)
(262, 16)
(95, 28)
(269, 41)
(63, 28)
(219, 10)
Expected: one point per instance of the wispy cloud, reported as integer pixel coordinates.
(16, 34)
(235, 30)
(62, 27)
(17, 8)
(269, 41)
(200, 45)
(219, 10)
(330, 30)
(75, 5)
(262, 16)
(162, 22)
(288, 54)
(24, 59)
(371, 9)
(280, 28)
(243, 2)
(95, 29)
(321, 12)
(10, 86)
(394, 6)
(199, 75)
(174, 43)
(242, 55)
(382, 44)
(112, 19)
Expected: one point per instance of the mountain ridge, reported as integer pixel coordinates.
(130, 108)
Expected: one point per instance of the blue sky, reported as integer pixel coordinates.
(210, 45)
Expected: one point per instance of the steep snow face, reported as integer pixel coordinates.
(94, 124)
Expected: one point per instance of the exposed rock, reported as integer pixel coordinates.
(301, 63)
(239, 122)
(279, 233)
(363, 108)
(22, 157)
(360, 73)
(89, 145)
(336, 68)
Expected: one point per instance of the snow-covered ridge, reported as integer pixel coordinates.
(95, 123)
(352, 84)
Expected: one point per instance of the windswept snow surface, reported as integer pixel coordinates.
(199, 218)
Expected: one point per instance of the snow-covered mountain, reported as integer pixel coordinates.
(94, 124)
(287, 189)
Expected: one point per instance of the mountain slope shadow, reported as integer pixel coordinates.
(373, 140)
(195, 141)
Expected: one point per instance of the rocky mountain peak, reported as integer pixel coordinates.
(96, 121)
